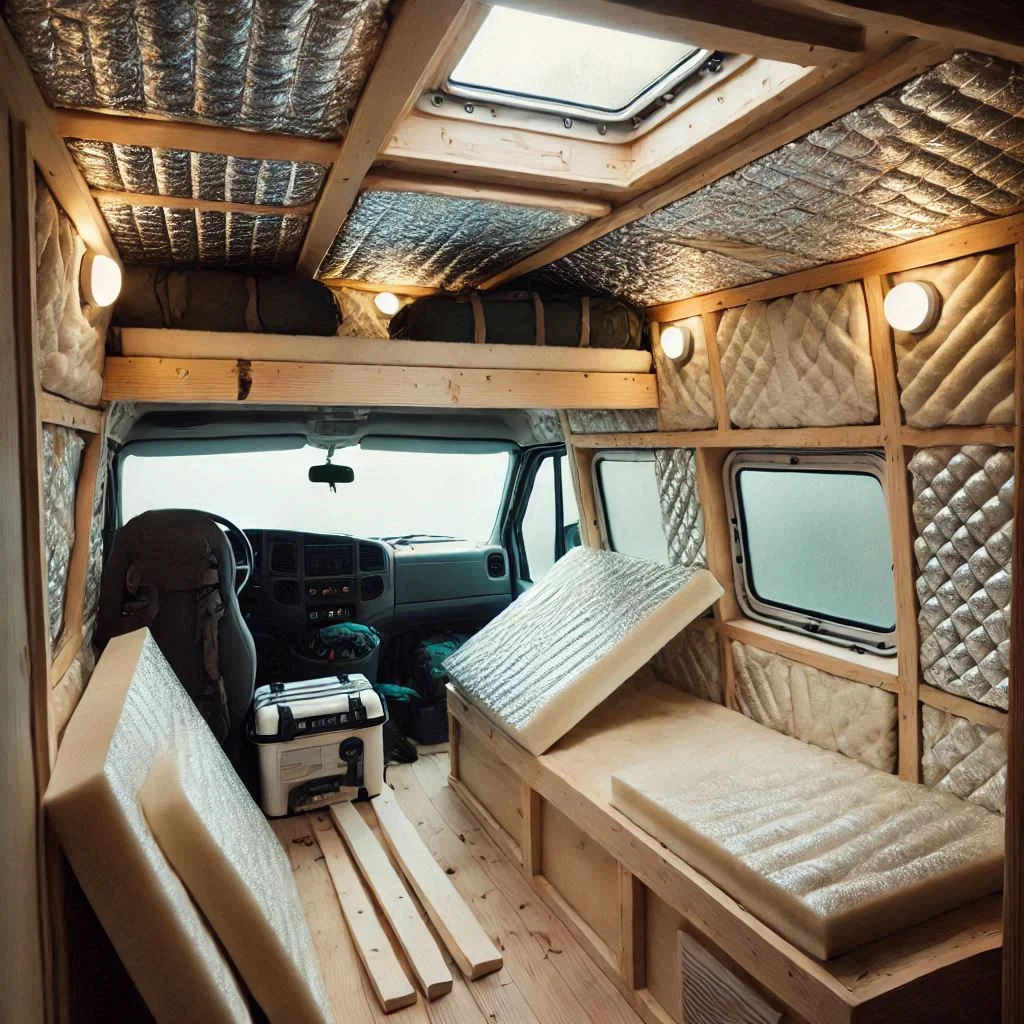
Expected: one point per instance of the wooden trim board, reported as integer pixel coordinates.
(425, 958)
(202, 205)
(225, 381)
(470, 947)
(301, 348)
(63, 413)
(390, 985)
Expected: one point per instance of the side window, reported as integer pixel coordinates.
(811, 543)
(550, 523)
(627, 488)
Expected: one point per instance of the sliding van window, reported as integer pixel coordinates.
(627, 492)
(811, 543)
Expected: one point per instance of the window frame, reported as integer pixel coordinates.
(615, 455)
(847, 633)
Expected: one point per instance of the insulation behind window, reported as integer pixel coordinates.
(176, 172)
(937, 153)
(438, 241)
(681, 515)
(62, 457)
(295, 66)
(71, 336)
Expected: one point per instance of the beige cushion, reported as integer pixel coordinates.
(825, 850)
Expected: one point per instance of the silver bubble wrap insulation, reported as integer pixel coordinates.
(612, 421)
(438, 241)
(62, 457)
(937, 153)
(294, 66)
(963, 511)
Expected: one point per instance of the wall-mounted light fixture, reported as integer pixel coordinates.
(387, 303)
(913, 306)
(100, 278)
(677, 342)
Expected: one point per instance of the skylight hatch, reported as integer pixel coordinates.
(565, 67)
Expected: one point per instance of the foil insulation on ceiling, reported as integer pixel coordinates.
(199, 238)
(176, 172)
(295, 66)
(939, 152)
(438, 241)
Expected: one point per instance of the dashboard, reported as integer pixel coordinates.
(304, 581)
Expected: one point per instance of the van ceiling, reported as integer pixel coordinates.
(938, 152)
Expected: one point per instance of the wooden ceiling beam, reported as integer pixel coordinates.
(51, 156)
(796, 36)
(160, 133)
(859, 88)
(393, 181)
(414, 48)
(995, 27)
(202, 205)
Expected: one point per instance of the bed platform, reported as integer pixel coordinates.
(627, 898)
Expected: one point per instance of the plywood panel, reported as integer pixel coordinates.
(491, 783)
(664, 980)
(582, 872)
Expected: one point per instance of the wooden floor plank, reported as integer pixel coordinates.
(398, 906)
(342, 972)
(595, 991)
(553, 990)
(391, 987)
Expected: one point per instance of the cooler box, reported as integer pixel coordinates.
(320, 741)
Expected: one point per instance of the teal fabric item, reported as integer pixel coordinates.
(348, 641)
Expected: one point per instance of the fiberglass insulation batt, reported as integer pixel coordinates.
(562, 647)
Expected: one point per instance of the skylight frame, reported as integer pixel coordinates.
(665, 84)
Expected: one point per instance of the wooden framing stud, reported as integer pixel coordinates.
(532, 837)
(632, 929)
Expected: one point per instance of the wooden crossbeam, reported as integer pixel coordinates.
(865, 85)
(51, 156)
(413, 48)
(160, 133)
(761, 30)
(202, 205)
(59, 411)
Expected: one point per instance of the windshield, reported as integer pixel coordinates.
(395, 493)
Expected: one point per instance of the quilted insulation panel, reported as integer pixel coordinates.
(964, 759)
(177, 172)
(681, 515)
(817, 707)
(438, 241)
(133, 715)
(62, 457)
(684, 388)
(692, 662)
(825, 850)
(295, 66)
(71, 335)
(936, 153)
(612, 421)
(201, 238)
(963, 512)
(961, 371)
(559, 649)
(799, 361)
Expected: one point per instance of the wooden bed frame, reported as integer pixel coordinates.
(626, 897)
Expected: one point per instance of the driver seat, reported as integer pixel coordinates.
(173, 570)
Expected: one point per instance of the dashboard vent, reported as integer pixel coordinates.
(372, 558)
(496, 565)
(282, 559)
(286, 592)
(371, 587)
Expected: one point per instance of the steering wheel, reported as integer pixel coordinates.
(238, 540)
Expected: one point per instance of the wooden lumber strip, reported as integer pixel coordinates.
(425, 958)
(460, 931)
(390, 985)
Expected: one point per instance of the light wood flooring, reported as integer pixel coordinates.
(547, 978)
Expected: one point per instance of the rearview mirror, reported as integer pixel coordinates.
(331, 474)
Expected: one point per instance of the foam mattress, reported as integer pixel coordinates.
(561, 648)
(825, 850)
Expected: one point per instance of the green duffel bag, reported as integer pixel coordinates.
(523, 318)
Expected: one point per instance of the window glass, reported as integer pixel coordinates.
(538, 527)
(817, 542)
(394, 493)
(632, 507)
(524, 54)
